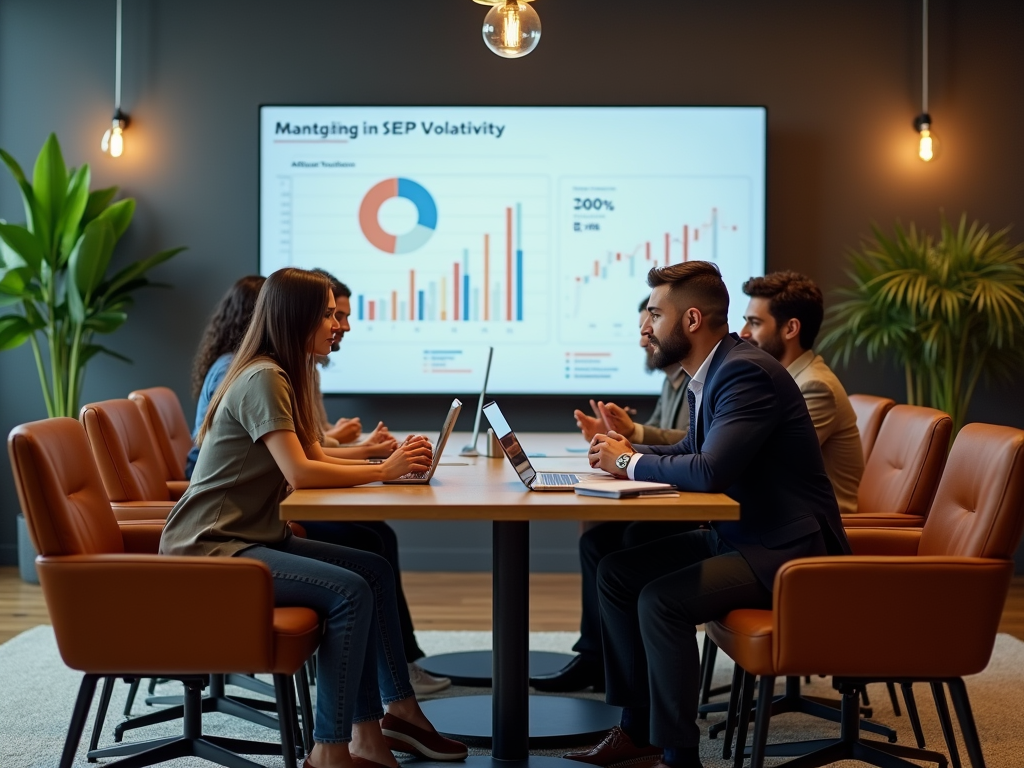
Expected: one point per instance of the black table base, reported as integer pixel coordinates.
(554, 721)
(473, 668)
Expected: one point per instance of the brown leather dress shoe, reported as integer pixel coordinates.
(617, 750)
(357, 761)
(403, 736)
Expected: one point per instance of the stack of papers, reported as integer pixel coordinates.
(624, 489)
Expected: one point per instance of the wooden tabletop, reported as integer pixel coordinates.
(489, 489)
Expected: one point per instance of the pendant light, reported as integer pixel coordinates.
(927, 143)
(511, 28)
(113, 139)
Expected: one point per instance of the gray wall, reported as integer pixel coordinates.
(841, 81)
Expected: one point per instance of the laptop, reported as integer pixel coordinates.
(535, 481)
(422, 478)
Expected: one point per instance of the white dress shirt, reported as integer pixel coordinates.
(696, 386)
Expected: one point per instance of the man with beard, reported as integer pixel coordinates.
(751, 438)
(667, 425)
(783, 318)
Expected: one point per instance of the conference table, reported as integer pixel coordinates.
(482, 488)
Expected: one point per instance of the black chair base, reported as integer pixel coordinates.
(850, 745)
(216, 700)
(193, 742)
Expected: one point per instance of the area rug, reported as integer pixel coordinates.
(37, 693)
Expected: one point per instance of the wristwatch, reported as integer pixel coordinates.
(622, 462)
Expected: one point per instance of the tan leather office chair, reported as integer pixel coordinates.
(131, 470)
(166, 421)
(827, 619)
(871, 411)
(174, 617)
(903, 469)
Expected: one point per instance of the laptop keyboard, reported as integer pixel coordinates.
(557, 478)
(413, 476)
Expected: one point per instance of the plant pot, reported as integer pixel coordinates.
(26, 553)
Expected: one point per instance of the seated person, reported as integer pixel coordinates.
(260, 435)
(221, 338)
(783, 318)
(667, 425)
(751, 438)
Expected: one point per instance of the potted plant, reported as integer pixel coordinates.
(54, 277)
(949, 311)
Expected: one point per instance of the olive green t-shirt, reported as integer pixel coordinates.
(233, 499)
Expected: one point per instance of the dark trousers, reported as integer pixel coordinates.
(378, 537)
(652, 598)
(599, 541)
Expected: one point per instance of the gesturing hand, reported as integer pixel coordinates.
(346, 430)
(616, 418)
(414, 455)
(605, 449)
(380, 434)
(589, 425)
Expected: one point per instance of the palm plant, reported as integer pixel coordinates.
(949, 311)
(53, 272)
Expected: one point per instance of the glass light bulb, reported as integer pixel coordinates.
(112, 142)
(925, 149)
(511, 29)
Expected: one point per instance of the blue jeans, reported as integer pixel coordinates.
(361, 661)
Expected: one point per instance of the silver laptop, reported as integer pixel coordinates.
(535, 481)
(421, 478)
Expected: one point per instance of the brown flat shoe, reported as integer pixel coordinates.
(358, 762)
(402, 736)
(617, 750)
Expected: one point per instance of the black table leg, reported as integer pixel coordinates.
(511, 615)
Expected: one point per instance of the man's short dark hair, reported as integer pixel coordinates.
(791, 295)
(338, 288)
(643, 303)
(701, 283)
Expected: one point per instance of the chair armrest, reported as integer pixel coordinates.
(156, 614)
(884, 541)
(141, 510)
(141, 537)
(175, 488)
(887, 617)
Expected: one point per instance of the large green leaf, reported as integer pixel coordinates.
(89, 351)
(105, 322)
(14, 331)
(99, 199)
(34, 219)
(15, 281)
(119, 215)
(71, 219)
(135, 271)
(50, 184)
(23, 243)
(87, 265)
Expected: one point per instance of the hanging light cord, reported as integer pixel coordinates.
(117, 62)
(924, 54)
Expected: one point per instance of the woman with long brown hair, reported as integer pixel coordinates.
(260, 434)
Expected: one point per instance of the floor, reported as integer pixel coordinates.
(437, 600)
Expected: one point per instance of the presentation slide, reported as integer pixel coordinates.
(529, 229)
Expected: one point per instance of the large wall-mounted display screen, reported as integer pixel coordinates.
(529, 229)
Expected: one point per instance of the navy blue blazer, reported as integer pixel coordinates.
(755, 442)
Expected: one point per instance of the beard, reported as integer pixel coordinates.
(649, 366)
(773, 346)
(669, 350)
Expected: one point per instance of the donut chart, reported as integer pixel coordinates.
(426, 211)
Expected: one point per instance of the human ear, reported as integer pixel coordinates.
(792, 329)
(692, 320)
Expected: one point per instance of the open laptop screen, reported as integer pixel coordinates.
(509, 443)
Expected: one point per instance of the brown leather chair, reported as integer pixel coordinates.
(115, 613)
(131, 470)
(904, 467)
(166, 421)
(870, 412)
(827, 620)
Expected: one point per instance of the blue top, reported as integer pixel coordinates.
(214, 377)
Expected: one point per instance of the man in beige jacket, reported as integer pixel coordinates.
(783, 318)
